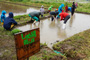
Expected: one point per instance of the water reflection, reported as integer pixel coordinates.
(16, 9)
(61, 33)
(51, 31)
(71, 20)
(52, 24)
(11, 8)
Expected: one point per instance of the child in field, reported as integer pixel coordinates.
(73, 8)
(9, 22)
(60, 10)
(35, 15)
(76, 4)
(64, 16)
(3, 17)
(50, 8)
(54, 14)
(66, 8)
(42, 10)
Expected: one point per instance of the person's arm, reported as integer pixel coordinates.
(14, 22)
(61, 17)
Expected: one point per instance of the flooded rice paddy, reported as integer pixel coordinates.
(52, 32)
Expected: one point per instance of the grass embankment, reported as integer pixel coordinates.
(7, 45)
(76, 47)
(8, 51)
(24, 19)
(47, 54)
(82, 7)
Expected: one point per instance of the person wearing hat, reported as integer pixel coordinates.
(3, 17)
(50, 8)
(42, 10)
(9, 22)
(35, 15)
(60, 10)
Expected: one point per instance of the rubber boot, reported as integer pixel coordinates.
(64, 26)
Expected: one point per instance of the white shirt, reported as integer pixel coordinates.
(42, 10)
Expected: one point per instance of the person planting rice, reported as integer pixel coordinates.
(9, 22)
(64, 16)
(54, 14)
(35, 15)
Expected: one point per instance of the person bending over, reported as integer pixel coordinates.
(60, 10)
(64, 16)
(53, 14)
(35, 15)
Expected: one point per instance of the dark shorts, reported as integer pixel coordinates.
(66, 19)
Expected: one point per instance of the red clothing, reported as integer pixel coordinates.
(57, 9)
(63, 15)
(66, 8)
(49, 10)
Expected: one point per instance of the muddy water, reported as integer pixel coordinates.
(52, 32)
(16, 9)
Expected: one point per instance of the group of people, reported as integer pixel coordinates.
(58, 13)
(8, 22)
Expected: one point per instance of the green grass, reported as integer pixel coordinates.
(47, 54)
(77, 46)
(15, 31)
(82, 7)
(8, 50)
(21, 19)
